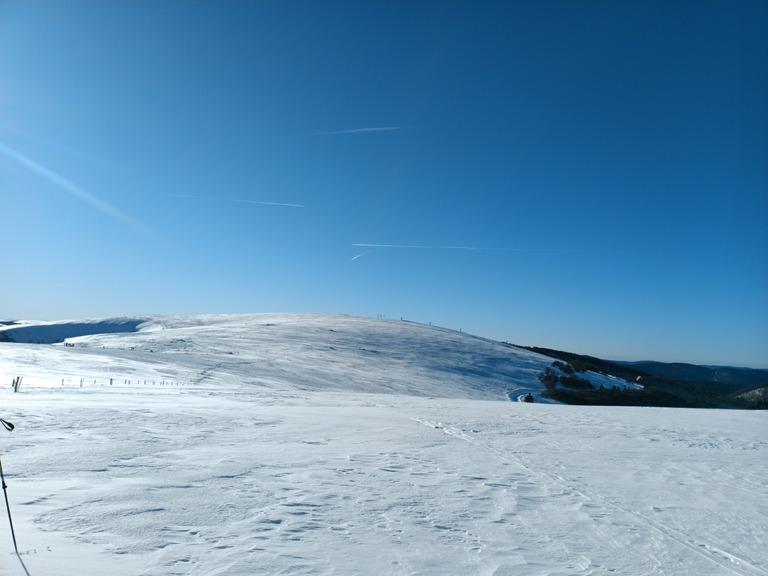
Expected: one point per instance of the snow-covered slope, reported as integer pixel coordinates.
(253, 351)
(295, 444)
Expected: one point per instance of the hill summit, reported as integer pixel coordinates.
(270, 351)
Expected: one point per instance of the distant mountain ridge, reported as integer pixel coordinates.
(56, 332)
(677, 384)
(682, 372)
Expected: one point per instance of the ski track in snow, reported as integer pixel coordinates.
(295, 448)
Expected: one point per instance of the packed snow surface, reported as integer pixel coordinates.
(318, 444)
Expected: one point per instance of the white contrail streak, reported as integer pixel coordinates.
(462, 248)
(414, 246)
(72, 188)
(236, 200)
(361, 130)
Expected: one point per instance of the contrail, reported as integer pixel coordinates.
(462, 248)
(361, 130)
(237, 200)
(414, 246)
(73, 189)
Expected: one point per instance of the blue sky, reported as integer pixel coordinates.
(589, 176)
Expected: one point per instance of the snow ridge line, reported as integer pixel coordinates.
(706, 551)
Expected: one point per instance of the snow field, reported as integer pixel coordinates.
(322, 483)
(269, 465)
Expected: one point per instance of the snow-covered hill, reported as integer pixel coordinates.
(274, 351)
(319, 444)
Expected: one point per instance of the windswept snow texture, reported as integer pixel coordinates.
(313, 444)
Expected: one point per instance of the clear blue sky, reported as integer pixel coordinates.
(589, 176)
